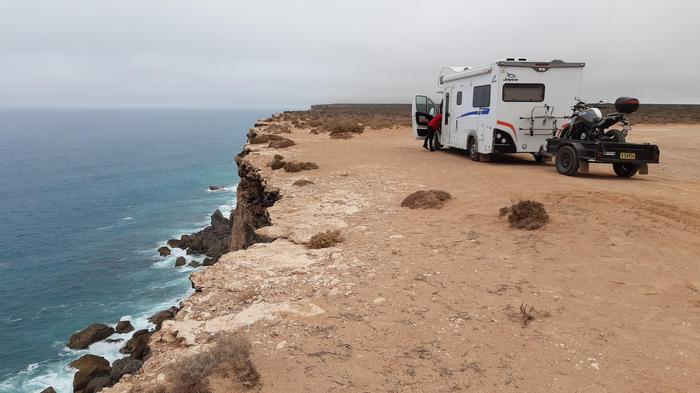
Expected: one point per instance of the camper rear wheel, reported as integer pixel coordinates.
(625, 170)
(474, 150)
(567, 161)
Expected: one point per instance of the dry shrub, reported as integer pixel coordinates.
(277, 162)
(278, 128)
(431, 199)
(296, 166)
(342, 135)
(526, 214)
(229, 356)
(302, 182)
(341, 127)
(324, 239)
(281, 143)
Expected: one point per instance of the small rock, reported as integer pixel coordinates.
(164, 251)
(50, 389)
(114, 340)
(215, 188)
(91, 334)
(209, 261)
(158, 318)
(124, 327)
(180, 261)
(194, 263)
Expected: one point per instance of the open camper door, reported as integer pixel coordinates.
(422, 111)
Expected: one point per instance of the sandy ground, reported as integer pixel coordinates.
(429, 300)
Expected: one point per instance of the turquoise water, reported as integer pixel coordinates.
(86, 197)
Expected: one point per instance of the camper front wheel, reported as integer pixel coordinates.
(567, 161)
(473, 150)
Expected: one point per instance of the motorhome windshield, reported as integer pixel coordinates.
(523, 92)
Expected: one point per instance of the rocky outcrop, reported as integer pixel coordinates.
(124, 327)
(91, 334)
(124, 366)
(253, 199)
(50, 389)
(137, 346)
(215, 188)
(212, 241)
(89, 368)
(164, 251)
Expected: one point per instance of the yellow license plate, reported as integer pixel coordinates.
(628, 156)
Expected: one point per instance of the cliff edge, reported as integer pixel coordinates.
(332, 285)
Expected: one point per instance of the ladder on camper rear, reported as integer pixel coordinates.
(548, 115)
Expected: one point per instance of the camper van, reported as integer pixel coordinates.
(510, 106)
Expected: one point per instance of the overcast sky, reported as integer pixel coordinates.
(268, 53)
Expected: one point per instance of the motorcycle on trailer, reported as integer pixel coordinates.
(588, 138)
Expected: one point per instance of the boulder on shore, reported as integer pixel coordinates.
(89, 367)
(99, 383)
(158, 318)
(180, 261)
(194, 264)
(137, 346)
(91, 334)
(124, 327)
(50, 389)
(164, 251)
(175, 243)
(124, 366)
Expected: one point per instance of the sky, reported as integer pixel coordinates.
(270, 53)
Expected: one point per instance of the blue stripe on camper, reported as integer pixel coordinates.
(482, 111)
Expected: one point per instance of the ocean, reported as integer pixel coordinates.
(86, 198)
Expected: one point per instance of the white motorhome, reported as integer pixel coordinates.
(510, 106)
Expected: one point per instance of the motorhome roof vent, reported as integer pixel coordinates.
(510, 58)
(557, 61)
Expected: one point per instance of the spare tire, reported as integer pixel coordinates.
(616, 135)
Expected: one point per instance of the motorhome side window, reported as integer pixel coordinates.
(482, 96)
(459, 98)
(523, 92)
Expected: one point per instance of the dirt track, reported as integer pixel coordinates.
(617, 270)
(429, 300)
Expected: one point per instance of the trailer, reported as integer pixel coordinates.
(627, 159)
(510, 106)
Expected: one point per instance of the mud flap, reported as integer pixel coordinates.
(643, 169)
(583, 166)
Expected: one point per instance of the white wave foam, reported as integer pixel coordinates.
(128, 218)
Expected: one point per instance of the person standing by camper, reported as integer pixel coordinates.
(434, 126)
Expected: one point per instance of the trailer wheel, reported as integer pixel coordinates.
(616, 135)
(474, 150)
(625, 170)
(567, 161)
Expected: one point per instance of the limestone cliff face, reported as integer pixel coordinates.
(253, 199)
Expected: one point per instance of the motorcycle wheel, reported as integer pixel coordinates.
(616, 135)
(625, 170)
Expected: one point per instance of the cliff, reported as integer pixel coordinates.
(439, 299)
